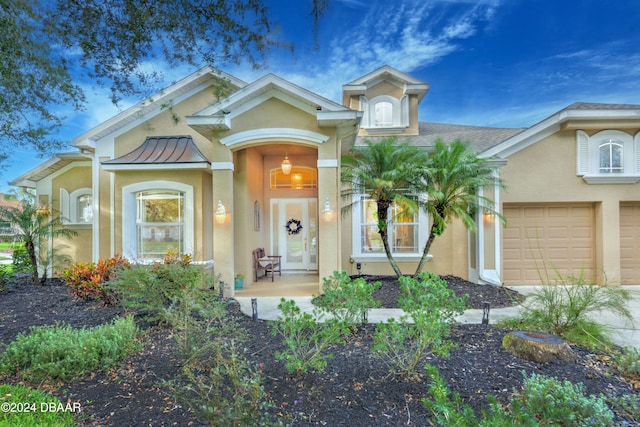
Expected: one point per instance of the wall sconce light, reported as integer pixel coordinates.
(327, 212)
(488, 216)
(286, 164)
(43, 210)
(221, 213)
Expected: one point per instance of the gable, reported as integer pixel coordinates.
(222, 115)
(145, 110)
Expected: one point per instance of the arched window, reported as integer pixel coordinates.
(611, 152)
(76, 207)
(383, 114)
(85, 208)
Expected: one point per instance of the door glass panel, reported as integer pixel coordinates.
(294, 242)
(313, 235)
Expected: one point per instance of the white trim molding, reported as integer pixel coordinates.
(327, 163)
(274, 135)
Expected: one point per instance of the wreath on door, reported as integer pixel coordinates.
(293, 226)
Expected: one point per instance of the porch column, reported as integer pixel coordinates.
(329, 259)
(223, 249)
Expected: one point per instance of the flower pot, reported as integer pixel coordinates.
(238, 282)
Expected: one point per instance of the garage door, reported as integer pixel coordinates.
(630, 243)
(540, 239)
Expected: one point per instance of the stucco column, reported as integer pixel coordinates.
(607, 246)
(328, 231)
(223, 242)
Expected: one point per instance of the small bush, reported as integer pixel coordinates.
(21, 262)
(628, 362)
(432, 308)
(61, 352)
(229, 391)
(306, 340)
(348, 300)
(448, 409)
(87, 280)
(19, 395)
(6, 276)
(626, 406)
(553, 402)
(155, 290)
(542, 401)
(568, 309)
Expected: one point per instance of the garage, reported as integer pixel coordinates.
(542, 239)
(630, 243)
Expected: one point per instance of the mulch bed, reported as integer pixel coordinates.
(354, 390)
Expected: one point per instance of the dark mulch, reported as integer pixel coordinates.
(355, 389)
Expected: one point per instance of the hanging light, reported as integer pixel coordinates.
(221, 213)
(327, 212)
(286, 164)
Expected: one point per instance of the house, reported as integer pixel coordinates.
(215, 167)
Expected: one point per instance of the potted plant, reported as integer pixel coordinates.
(238, 281)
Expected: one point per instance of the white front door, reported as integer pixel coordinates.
(298, 245)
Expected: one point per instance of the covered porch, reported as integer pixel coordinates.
(289, 285)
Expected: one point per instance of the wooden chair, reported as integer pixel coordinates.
(266, 263)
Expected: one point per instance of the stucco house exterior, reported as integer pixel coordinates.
(199, 167)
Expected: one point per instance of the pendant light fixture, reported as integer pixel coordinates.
(286, 164)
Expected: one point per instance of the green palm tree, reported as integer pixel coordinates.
(32, 226)
(452, 178)
(383, 171)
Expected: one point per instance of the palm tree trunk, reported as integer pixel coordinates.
(425, 252)
(383, 230)
(387, 250)
(31, 252)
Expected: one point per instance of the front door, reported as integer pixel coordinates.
(295, 232)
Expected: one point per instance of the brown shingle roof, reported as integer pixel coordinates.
(479, 138)
(158, 150)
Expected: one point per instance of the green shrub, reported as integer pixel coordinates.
(347, 300)
(200, 323)
(21, 262)
(19, 395)
(431, 308)
(306, 338)
(448, 409)
(626, 406)
(6, 276)
(88, 280)
(542, 401)
(155, 290)
(229, 391)
(569, 309)
(61, 352)
(628, 362)
(553, 402)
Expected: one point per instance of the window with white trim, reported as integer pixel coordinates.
(157, 216)
(385, 113)
(76, 207)
(611, 154)
(608, 157)
(159, 223)
(407, 230)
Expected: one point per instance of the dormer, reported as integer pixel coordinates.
(389, 101)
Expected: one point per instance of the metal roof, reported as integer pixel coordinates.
(162, 150)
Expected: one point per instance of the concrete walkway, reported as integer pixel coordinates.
(624, 333)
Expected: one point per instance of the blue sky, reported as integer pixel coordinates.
(502, 63)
